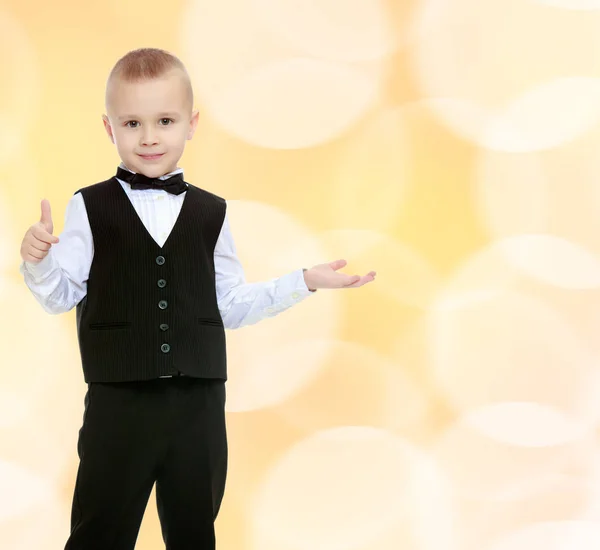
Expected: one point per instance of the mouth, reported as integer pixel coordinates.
(152, 157)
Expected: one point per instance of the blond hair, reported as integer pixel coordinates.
(147, 64)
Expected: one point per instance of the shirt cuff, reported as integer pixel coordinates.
(41, 270)
(298, 287)
(305, 286)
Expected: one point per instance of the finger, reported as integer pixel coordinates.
(353, 280)
(43, 235)
(46, 218)
(39, 245)
(337, 264)
(362, 280)
(34, 257)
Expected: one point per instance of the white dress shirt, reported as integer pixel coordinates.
(59, 281)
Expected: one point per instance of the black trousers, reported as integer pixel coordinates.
(169, 431)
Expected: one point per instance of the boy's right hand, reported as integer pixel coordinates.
(39, 239)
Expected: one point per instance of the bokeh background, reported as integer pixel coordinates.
(451, 145)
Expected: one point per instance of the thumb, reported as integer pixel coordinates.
(337, 264)
(46, 218)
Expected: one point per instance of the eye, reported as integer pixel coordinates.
(166, 121)
(128, 124)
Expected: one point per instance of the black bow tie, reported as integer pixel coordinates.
(174, 185)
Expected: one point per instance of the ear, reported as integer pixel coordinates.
(193, 124)
(108, 128)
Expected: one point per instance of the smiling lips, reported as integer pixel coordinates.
(152, 157)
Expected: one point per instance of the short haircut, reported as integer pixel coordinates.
(147, 64)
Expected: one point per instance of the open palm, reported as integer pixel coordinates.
(328, 276)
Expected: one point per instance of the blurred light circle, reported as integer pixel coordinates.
(344, 30)
(572, 4)
(370, 390)
(271, 376)
(512, 193)
(525, 424)
(553, 200)
(342, 488)
(45, 526)
(258, 88)
(402, 273)
(7, 238)
(254, 352)
(520, 100)
(551, 535)
(294, 103)
(545, 116)
(19, 93)
(482, 275)
(500, 469)
(534, 120)
(555, 261)
(497, 347)
(21, 489)
(43, 362)
(374, 173)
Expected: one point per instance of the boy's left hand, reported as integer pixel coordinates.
(327, 276)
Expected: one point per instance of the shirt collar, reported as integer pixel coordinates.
(166, 176)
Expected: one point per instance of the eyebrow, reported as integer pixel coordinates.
(160, 115)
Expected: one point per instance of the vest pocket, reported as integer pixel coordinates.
(108, 326)
(212, 322)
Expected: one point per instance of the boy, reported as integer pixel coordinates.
(150, 264)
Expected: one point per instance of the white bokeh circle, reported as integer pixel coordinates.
(572, 4)
(44, 526)
(263, 91)
(552, 201)
(26, 489)
(373, 173)
(343, 30)
(367, 481)
(551, 535)
(484, 274)
(370, 390)
(528, 122)
(7, 238)
(21, 87)
(258, 375)
(498, 468)
(295, 103)
(491, 348)
(402, 273)
(555, 261)
(52, 336)
(520, 100)
(525, 424)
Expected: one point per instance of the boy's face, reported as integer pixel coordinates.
(150, 121)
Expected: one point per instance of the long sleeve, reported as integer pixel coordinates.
(242, 303)
(59, 281)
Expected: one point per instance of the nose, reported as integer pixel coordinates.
(149, 137)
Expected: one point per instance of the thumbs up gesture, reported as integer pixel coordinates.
(39, 239)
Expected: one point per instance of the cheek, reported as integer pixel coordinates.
(176, 140)
(123, 140)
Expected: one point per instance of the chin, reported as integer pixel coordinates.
(152, 170)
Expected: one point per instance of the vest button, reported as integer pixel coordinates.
(164, 327)
(163, 304)
(165, 348)
(160, 260)
(161, 283)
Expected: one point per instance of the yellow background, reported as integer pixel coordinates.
(450, 145)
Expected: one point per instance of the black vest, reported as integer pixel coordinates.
(151, 311)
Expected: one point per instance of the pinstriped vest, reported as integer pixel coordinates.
(151, 311)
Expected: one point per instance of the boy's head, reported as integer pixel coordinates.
(149, 113)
